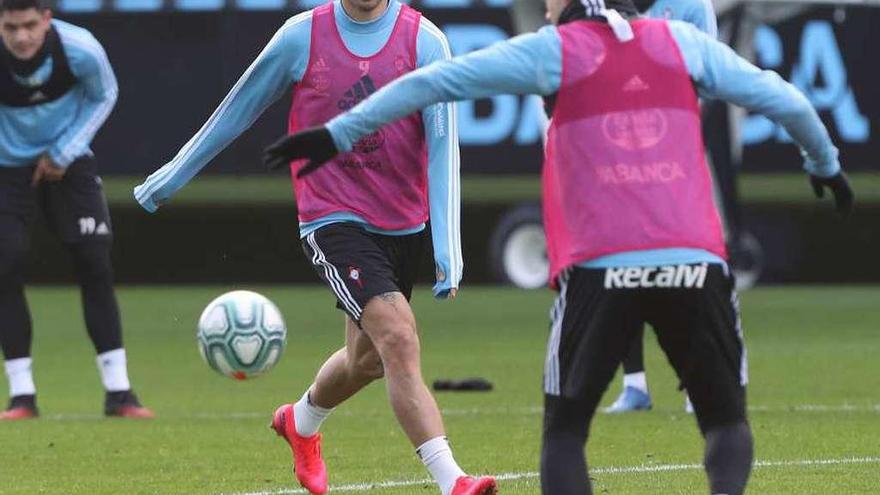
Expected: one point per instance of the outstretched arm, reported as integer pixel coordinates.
(269, 76)
(526, 64)
(720, 73)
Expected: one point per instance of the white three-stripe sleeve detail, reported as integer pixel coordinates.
(453, 192)
(84, 131)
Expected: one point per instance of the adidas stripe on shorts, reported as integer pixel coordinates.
(358, 265)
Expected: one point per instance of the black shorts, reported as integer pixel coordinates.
(694, 312)
(75, 208)
(359, 265)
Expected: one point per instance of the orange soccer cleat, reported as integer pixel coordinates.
(308, 465)
(468, 485)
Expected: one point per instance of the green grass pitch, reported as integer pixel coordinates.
(814, 399)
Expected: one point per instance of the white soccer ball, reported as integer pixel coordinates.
(241, 334)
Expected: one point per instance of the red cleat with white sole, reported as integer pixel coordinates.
(20, 407)
(468, 485)
(133, 412)
(308, 465)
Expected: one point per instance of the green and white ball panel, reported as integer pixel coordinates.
(241, 334)
(214, 321)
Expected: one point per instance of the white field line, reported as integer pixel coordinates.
(476, 411)
(818, 408)
(659, 468)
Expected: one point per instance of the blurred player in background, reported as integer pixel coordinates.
(56, 90)
(363, 220)
(633, 233)
(700, 13)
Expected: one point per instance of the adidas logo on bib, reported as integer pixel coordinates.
(38, 96)
(636, 84)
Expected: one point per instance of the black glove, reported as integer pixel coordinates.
(314, 144)
(839, 185)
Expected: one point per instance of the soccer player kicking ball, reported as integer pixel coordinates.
(363, 218)
(632, 230)
(56, 89)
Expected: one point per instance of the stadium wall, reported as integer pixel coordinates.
(236, 244)
(175, 61)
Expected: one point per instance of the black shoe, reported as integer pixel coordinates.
(466, 385)
(125, 404)
(21, 407)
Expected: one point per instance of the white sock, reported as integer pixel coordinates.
(114, 370)
(436, 455)
(21, 378)
(636, 380)
(307, 417)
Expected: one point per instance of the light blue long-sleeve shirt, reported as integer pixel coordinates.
(61, 128)
(699, 13)
(532, 64)
(282, 64)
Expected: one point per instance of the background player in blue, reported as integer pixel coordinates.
(381, 340)
(704, 341)
(701, 14)
(56, 90)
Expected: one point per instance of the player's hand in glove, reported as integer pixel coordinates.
(314, 144)
(839, 185)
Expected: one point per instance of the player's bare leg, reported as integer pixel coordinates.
(386, 345)
(389, 322)
(391, 325)
(348, 370)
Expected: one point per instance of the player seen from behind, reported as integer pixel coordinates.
(633, 233)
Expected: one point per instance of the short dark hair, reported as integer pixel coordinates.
(23, 5)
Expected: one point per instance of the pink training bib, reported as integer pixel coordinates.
(624, 167)
(384, 178)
